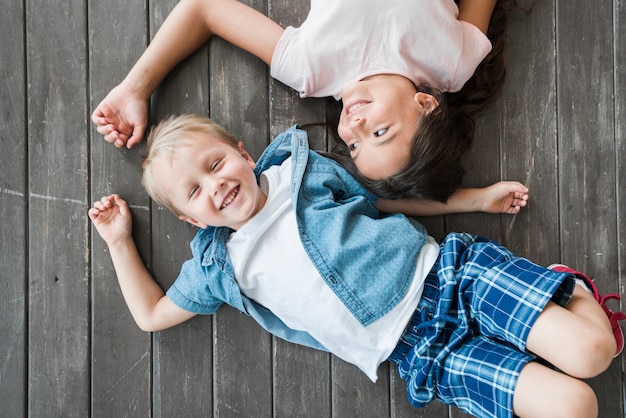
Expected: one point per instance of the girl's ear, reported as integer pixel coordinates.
(427, 102)
(192, 221)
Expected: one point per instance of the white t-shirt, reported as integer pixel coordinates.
(343, 41)
(272, 267)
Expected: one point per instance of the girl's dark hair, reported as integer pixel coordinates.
(434, 170)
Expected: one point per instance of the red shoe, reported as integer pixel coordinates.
(614, 317)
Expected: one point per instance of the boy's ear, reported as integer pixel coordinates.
(427, 102)
(192, 221)
(245, 155)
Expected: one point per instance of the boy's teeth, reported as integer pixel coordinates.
(230, 199)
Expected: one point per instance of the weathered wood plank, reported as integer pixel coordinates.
(183, 367)
(13, 212)
(355, 395)
(619, 34)
(586, 151)
(527, 115)
(121, 354)
(59, 308)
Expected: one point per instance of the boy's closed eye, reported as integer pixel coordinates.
(216, 164)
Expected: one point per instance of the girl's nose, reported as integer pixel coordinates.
(357, 121)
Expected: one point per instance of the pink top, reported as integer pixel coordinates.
(343, 41)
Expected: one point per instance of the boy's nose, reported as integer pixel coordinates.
(218, 185)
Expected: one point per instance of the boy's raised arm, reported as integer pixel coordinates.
(477, 12)
(150, 307)
(122, 116)
(506, 197)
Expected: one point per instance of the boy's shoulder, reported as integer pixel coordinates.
(208, 243)
(293, 141)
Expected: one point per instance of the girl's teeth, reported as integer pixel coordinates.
(355, 107)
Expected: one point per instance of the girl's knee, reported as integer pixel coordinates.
(581, 346)
(594, 354)
(582, 402)
(578, 400)
(543, 392)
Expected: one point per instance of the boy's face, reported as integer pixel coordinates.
(211, 183)
(378, 121)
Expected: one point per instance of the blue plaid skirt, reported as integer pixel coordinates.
(465, 344)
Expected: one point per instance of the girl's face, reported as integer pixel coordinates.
(211, 183)
(378, 121)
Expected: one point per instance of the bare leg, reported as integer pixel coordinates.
(543, 392)
(577, 340)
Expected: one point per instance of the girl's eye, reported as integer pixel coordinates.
(193, 191)
(353, 146)
(380, 132)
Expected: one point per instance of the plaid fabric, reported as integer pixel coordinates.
(465, 344)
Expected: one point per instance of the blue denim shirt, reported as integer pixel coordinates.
(366, 258)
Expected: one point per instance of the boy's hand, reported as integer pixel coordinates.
(122, 117)
(112, 219)
(504, 197)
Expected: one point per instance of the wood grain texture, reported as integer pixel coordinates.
(58, 265)
(13, 213)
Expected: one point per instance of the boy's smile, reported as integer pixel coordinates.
(211, 183)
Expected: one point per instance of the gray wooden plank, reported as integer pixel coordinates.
(619, 33)
(58, 265)
(355, 395)
(242, 349)
(528, 133)
(13, 212)
(183, 355)
(586, 150)
(121, 353)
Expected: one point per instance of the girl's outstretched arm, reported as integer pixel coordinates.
(122, 116)
(507, 197)
(477, 12)
(150, 307)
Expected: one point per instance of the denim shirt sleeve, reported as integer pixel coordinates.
(191, 292)
(207, 280)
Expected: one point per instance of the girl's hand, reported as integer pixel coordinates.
(122, 117)
(507, 197)
(112, 219)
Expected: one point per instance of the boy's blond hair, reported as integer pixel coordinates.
(163, 141)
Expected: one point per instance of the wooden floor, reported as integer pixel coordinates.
(68, 346)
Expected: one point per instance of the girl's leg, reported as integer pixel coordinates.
(543, 392)
(578, 339)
